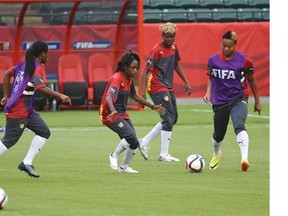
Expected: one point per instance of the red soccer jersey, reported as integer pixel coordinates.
(119, 89)
(161, 64)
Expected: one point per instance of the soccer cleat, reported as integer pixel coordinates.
(244, 165)
(143, 150)
(113, 162)
(29, 169)
(168, 158)
(215, 161)
(127, 170)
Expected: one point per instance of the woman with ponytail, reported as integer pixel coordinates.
(113, 110)
(29, 77)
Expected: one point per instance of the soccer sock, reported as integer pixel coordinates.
(165, 142)
(152, 134)
(129, 154)
(243, 142)
(2, 148)
(122, 146)
(216, 147)
(37, 143)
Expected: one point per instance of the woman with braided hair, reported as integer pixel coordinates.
(229, 74)
(113, 110)
(29, 77)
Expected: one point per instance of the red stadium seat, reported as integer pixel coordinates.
(99, 72)
(71, 79)
(5, 64)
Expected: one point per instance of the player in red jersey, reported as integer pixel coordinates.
(29, 77)
(157, 79)
(229, 73)
(113, 110)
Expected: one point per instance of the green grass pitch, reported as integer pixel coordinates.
(76, 178)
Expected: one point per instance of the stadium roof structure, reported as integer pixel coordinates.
(118, 36)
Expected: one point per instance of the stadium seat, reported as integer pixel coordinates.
(5, 64)
(236, 4)
(224, 15)
(249, 15)
(265, 14)
(211, 4)
(187, 4)
(259, 3)
(175, 15)
(162, 4)
(99, 72)
(153, 16)
(200, 15)
(71, 79)
(146, 4)
(99, 17)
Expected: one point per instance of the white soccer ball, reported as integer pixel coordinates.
(3, 198)
(195, 163)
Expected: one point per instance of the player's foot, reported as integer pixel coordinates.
(168, 158)
(29, 169)
(244, 165)
(113, 162)
(215, 161)
(143, 150)
(127, 170)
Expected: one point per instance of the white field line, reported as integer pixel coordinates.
(181, 127)
(249, 115)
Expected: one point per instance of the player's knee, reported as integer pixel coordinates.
(45, 134)
(218, 137)
(239, 128)
(167, 125)
(133, 142)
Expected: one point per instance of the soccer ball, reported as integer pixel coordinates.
(3, 198)
(195, 163)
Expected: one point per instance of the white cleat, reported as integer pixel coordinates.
(127, 170)
(113, 162)
(143, 150)
(168, 158)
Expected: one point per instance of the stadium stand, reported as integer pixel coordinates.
(162, 4)
(175, 15)
(211, 4)
(224, 15)
(200, 15)
(259, 3)
(153, 16)
(71, 79)
(236, 4)
(187, 4)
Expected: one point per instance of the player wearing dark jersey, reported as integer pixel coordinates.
(29, 76)
(113, 110)
(229, 74)
(157, 79)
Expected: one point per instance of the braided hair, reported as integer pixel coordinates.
(126, 60)
(34, 51)
(231, 35)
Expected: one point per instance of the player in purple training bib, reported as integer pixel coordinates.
(29, 77)
(229, 74)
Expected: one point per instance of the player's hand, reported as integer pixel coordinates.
(4, 101)
(65, 99)
(158, 108)
(111, 115)
(257, 108)
(206, 98)
(188, 89)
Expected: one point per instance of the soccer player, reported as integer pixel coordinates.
(157, 79)
(229, 74)
(113, 110)
(29, 76)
